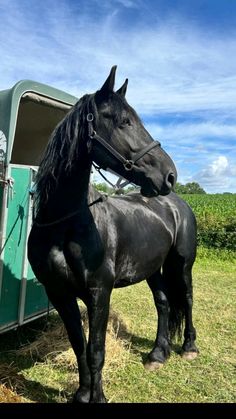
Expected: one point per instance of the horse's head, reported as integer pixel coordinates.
(120, 142)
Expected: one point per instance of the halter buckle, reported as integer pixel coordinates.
(128, 165)
(91, 131)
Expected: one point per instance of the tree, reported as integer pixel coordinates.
(189, 188)
(103, 187)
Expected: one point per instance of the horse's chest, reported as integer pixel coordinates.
(69, 267)
(83, 257)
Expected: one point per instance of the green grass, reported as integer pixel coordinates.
(209, 378)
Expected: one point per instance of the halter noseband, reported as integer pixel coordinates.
(128, 164)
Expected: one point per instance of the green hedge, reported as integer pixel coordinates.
(216, 219)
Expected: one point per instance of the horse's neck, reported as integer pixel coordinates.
(70, 195)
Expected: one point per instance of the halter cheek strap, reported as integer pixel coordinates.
(128, 164)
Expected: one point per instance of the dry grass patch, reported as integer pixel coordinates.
(9, 396)
(52, 346)
(12, 384)
(52, 364)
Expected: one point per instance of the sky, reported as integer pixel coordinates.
(179, 57)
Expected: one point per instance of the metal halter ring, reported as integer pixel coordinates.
(128, 165)
(90, 117)
(91, 131)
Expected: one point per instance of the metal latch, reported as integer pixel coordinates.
(2, 173)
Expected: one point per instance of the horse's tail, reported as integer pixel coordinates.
(177, 311)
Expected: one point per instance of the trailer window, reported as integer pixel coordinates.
(37, 117)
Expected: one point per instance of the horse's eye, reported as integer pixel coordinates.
(125, 121)
(107, 115)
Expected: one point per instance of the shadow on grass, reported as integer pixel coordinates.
(28, 389)
(143, 346)
(15, 339)
(12, 363)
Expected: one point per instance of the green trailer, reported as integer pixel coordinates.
(29, 111)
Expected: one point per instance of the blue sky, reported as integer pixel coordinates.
(179, 56)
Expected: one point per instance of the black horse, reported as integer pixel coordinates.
(83, 244)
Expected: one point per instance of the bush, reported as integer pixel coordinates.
(216, 219)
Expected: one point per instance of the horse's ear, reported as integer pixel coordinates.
(122, 90)
(108, 86)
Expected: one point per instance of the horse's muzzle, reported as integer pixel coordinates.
(151, 189)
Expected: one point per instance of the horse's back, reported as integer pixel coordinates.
(171, 210)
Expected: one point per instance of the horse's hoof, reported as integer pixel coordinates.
(101, 400)
(152, 366)
(81, 396)
(189, 356)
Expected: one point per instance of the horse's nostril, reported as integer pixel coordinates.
(170, 179)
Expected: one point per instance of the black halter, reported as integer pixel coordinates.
(128, 164)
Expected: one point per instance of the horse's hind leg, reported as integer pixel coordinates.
(177, 273)
(69, 312)
(161, 350)
(189, 349)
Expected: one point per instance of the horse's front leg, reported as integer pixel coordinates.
(98, 312)
(161, 350)
(69, 312)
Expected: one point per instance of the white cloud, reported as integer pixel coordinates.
(219, 173)
(219, 167)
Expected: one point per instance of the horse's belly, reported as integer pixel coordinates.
(132, 272)
(142, 258)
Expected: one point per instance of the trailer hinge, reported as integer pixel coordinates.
(2, 172)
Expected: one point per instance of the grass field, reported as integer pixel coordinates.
(37, 365)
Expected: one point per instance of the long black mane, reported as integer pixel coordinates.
(63, 148)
